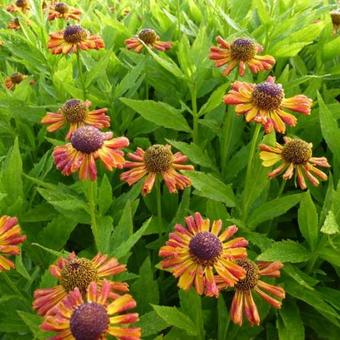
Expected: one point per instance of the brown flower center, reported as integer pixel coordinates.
(79, 273)
(89, 321)
(147, 35)
(87, 139)
(74, 111)
(61, 7)
(243, 49)
(335, 16)
(74, 34)
(297, 151)
(205, 247)
(158, 158)
(21, 3)
(252, 275)
(268, 96)
(17, 78)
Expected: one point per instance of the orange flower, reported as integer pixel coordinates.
(14, 79)
(264, 103)
(76, 113)
(73, 39)
(196, 253)
(243, 301)
(19, 5)
(10, 238)
(93, 316)
(14, 24)
(87, 145)
(149, 37)
(61, 10)
(77, 272)
(295, 157)
(240, 52)
(335, 16)
(157, 160)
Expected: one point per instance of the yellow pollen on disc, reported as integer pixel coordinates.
(252, 275)
(158, 158)
(75, 34)
(147, 35)
(297, 151)
(74, 111)
(243, 49)
(79, 273)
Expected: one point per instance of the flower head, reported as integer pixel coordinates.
(197, 252)
(73, 39)
(335, 16)
(87, 145)
(73, 272)
(10, 238)
(19, 5)
(13, 80)
(61, 10)
(149, 37)
(76, 113)
(263, 103)
(295, 158)
(157, 160)
(94, 316)
(240, 52)
(243, 299)
(14, 24)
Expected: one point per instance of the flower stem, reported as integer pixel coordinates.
(282, 187)
(81, 75)
(92, 205)
(193, 92)
(159, 204)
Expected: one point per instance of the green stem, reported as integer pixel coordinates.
(227, 134)
(282, 187)
(194, 113)
(92, 206)
(81, 75)
(159, 204)
(250, 165)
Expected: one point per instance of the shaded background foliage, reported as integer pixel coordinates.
(299, 228)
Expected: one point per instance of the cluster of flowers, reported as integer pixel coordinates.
(86, 303)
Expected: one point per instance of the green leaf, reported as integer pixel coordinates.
(98, 69)
(145, 288)
(289, 324)
(103, 235)
(151, 324)
(194, 153)
(211, 187)
(330, 226)
(161, 114)
(329, 127)
(285, 251)
(271, 209)
(215, 99)
(125, 247)
(20, 268)
(331, 49)
(308, 220)
(174, 317)
(33, 321)
(104, 195)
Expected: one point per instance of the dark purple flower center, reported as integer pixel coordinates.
(268, 96)
(205, 246)
(297, 151)
(147, 35)
(74, 34)
(21, 3)
(158, 158)
(89, 321)
(252, 275)
(17, 78)
(87, 139)
(78, 273)
(243, 49)
(61, 7)
(74, 110)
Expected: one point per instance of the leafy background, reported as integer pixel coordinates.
(157, 98)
